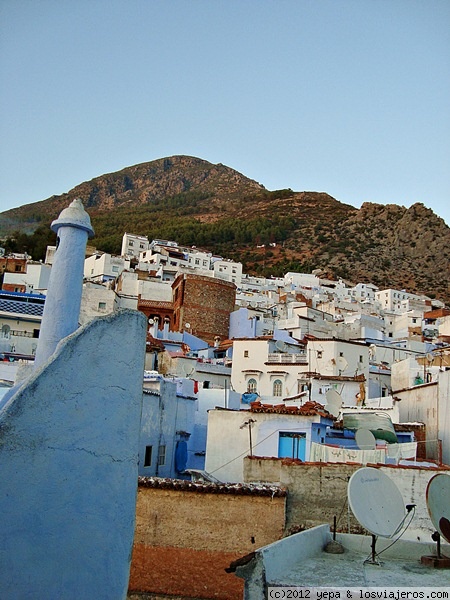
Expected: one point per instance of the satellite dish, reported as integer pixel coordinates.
(438, 503)
(376, 502)
(151, 321)
(342, 363)
(280, 345)
(429, 357)
(334, 402)
(187, 325)
(365, 440)
(372, 350)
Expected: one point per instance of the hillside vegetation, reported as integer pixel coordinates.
(214, 207)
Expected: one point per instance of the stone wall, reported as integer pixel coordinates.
(205, 303)
(318, 491)
(187, 534)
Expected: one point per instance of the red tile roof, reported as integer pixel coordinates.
(308, 409)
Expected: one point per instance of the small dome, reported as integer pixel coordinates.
(74, 216)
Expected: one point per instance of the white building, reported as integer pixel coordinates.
(104, 267)
(97, 300)
(400, 300)
(228, 270)
(280, 432)
(302, 320)
(34, 280)
(133, 245)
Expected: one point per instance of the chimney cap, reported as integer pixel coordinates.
(74, 216)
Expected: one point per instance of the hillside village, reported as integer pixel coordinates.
(254, 389)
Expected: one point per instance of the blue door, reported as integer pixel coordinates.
(292, 445)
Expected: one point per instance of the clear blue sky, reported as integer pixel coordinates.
(350, 97)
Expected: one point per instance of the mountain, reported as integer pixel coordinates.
(195, 202)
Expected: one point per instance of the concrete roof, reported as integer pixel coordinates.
(301, 560)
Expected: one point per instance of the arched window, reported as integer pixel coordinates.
(5, 330)
(252, 386)
(277, 387)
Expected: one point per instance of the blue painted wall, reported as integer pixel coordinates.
(166, 419)
(68, 454)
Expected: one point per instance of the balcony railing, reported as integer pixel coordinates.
(285, 358)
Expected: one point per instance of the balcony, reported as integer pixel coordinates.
(285, 358)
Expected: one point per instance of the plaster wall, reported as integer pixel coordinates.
(420, 404)
(228, 439)
(325, 358)
(68, 451)
(96, 301)
(185, 539)
(164, 415)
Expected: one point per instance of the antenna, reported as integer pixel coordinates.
(334, 402)
(377, 504)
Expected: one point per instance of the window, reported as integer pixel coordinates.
(277, 387)
(5, 330)
(361, 358)
(245, 353)
(319, 353)
(161, 456)
(148, 456)
(197, 261)
(292, 445)
(115, 269)
(252, 386)
(102, 306)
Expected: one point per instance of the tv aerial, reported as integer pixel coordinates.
(377, 504)
(438, 504)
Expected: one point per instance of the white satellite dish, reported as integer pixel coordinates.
(342, 363)
(429, 357)
(280, 345)
(334, 402)
(365, 440)
(438, 503)
(377, 504)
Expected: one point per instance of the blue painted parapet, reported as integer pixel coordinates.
(69, 439)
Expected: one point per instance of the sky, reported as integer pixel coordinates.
(348, 97)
